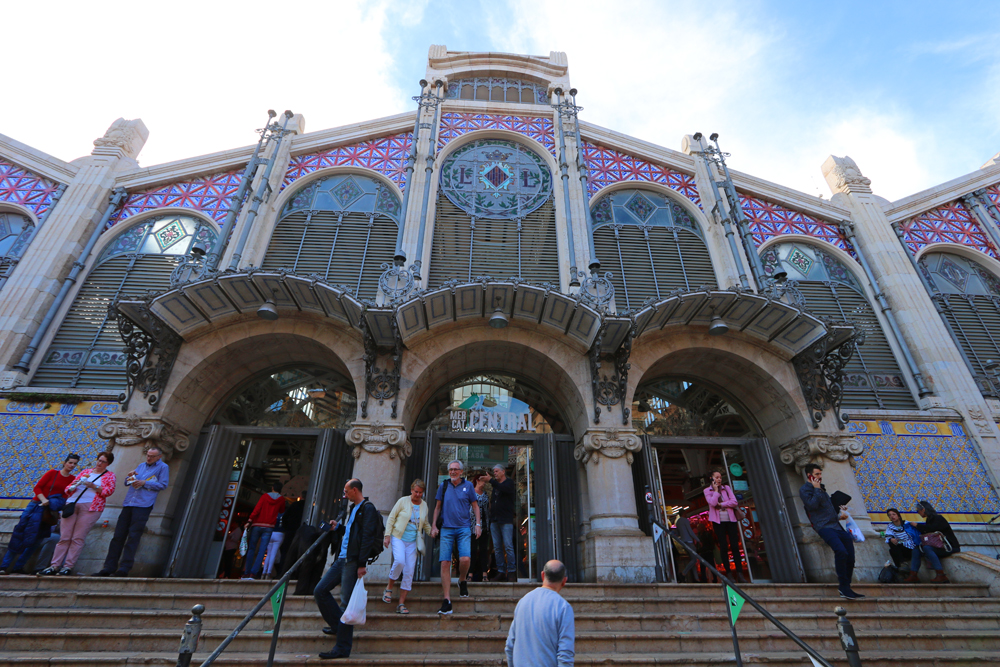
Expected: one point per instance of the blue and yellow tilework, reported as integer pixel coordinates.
(904, 462)
(36, 437)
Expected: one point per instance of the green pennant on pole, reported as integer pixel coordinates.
(276, 600)
(735, 603)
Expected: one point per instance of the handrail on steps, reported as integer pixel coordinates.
(753, 603)
(184, 658)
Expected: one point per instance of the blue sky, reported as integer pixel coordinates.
(911, 92)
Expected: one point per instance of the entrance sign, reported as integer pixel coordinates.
(490, 414)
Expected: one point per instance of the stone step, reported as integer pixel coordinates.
(298, 659)
(499, 605)
(428, 644)
(59, 620)
(503, 590)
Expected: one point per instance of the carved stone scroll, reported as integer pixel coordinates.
(612, 444)
(811, 448)
(128, 430)
(378, 437)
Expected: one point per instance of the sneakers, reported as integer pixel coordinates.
(445, 607)
(463, 589)
(64, 572)
(849, 594)
(246, 579)
(49, 571)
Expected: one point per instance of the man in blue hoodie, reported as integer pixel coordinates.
(825, 520)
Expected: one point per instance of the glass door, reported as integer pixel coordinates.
(750, 529)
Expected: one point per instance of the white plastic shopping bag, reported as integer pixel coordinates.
(851, 526)
(355, 612)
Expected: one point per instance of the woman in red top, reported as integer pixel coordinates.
(48, 494)
(90, 491)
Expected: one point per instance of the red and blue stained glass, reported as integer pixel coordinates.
(26, 188)
(454, 125)
(950, 223)
(607, 166)
(386, 155)
(208, 194)
(993, 194)
(768, 220)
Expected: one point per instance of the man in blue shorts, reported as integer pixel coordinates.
(454, 498)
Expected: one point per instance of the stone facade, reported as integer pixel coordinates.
(395, 364)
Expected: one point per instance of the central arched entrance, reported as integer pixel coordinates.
(490, 419)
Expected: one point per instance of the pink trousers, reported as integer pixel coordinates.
(72, 534)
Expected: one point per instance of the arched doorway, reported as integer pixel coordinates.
(284, 425)
(486, 420)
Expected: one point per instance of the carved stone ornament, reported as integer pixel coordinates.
(129, 430)
(843, 175)
(812, 448)
(125, 138)
(980, 420)
(611, 443)
(378, 437)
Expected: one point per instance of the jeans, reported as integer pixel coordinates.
(503, 546)
(125, 543)
(455, 538)
(344, 573)
(931, 555)
(256, 548)
(25, 535)
(843, 554)
(273, 558)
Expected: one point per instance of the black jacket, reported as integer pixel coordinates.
(364, 532)
(938, 523)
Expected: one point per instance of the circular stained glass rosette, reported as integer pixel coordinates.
(496, 179)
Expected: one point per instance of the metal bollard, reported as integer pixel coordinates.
(189, 638)
(847, 638)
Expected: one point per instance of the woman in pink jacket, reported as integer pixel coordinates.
(722, 504)
(90, 491)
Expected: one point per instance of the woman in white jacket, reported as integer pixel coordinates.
(407, 520)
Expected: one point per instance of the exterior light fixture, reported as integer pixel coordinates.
(697, 136)
(268, 311)
(718, 327)
(644, 405)
(991, 366)
(198, 249)
(713, 137)
(498, 319)
(780, 276)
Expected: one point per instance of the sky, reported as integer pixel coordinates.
(911, 91)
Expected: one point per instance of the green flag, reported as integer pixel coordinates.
(735, 603)
(280, 593)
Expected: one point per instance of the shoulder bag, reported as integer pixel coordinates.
(936, 540)
(69, 509)
(740, 514)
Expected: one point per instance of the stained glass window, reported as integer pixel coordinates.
(87, 350)
(650, 245)
(15, 232)
(341, 228)
(872, 379)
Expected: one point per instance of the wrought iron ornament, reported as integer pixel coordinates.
(821, 375)
(150, 355)
(610, 391)
(381, 383)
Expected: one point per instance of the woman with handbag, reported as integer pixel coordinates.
(725, 514)
(45, 504)
(937, 541)
(86, 495)
(407, 520)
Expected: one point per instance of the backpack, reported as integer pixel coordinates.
(379, 545)
(889, 574)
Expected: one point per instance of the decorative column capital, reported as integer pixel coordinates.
(124, 139)
(611, 443)
(128, 430)
(377, 437)
(843, 175)
(812, 448)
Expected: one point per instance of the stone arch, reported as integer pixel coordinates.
(554, 366)
(216, 362)
(11, 207)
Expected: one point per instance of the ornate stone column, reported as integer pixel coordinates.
(615, 550)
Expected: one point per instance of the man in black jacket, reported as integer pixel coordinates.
(359, 528)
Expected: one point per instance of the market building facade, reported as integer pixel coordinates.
(490, 278)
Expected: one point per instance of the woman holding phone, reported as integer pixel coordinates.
(722, 506)
(90, 491)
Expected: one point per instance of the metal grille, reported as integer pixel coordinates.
(87, 350)
(975, 320)
(649, 262)
(465, 247)
(343, 248)
(872, 379)
(497, 89)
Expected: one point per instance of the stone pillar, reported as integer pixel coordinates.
(380, 451)
(935, 352)
(30, 291)
(615, 550)
(129, 436)
(835, 454)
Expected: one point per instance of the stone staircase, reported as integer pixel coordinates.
(78, 622)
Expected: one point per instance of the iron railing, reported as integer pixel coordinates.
(851, 646)
(188, 645)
